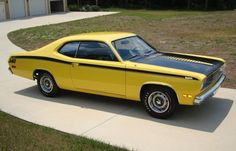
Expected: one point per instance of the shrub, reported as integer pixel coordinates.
(73, 7)
(95, 8)
(88, 8)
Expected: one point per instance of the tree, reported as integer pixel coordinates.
(206, 4)
(189, 4)
(78, 2)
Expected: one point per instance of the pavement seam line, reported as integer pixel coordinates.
(107, 120)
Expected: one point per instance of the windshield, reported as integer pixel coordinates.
(132, 47)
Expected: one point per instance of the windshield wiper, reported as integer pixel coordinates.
(132, 57)
(149, 52)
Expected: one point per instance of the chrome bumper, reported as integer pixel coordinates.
(10, 70)
(201, 98)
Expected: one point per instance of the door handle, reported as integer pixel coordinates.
(75, 64)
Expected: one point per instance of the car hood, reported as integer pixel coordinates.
(183, 62)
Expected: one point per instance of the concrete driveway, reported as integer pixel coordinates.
(211, 126)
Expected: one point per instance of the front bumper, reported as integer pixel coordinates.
(10, 70)
(201, 98)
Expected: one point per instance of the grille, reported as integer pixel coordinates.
(212, 78)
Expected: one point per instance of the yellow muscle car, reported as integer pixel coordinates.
(121, 65)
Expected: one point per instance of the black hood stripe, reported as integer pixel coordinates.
(99, 66)
(182, 62)
(208, 60)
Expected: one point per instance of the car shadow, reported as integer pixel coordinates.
(206, 117)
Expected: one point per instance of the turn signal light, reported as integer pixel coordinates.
(187, 96)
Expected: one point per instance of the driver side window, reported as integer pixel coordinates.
(96, 51)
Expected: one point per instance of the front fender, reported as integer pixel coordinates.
(159, 84)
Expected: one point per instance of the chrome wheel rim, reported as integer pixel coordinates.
(159, 102)
(46, 84)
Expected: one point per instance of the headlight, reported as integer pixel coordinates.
(203, 83)
(12, 60)
(222, 69)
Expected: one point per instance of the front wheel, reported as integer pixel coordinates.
(47, 85)
(159, 102)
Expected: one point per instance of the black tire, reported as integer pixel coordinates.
(159, 102)
(47, 84)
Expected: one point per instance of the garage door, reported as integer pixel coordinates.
(17, 8)
(57, 6)
(2, 11)
(37, 7)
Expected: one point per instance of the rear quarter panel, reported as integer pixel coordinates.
(25, 67)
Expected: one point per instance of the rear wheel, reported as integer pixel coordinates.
(159, 102)
(47, 84)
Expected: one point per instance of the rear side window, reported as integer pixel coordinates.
(69, 49)
(96, 51)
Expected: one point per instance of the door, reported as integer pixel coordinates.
(37, 7)
(17, 8)
(96, 68)
(57, 6)
(2, 11)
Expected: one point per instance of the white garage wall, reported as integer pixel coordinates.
(17, 8)
(2, 11)
(37, 7)
(22, 8)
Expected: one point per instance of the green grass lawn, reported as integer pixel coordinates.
(19, 135)
(196, 32)
(157, 14)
